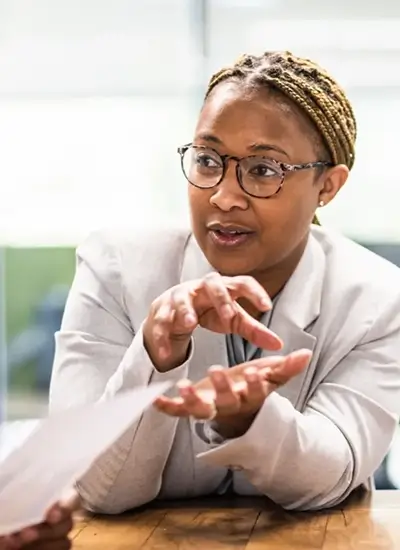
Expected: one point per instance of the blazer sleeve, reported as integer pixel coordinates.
(313, 459)
(97, 356)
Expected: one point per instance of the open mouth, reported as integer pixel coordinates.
(230, 237)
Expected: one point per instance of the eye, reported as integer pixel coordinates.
(205, 160)
(264, 170)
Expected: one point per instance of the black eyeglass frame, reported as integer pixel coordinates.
(283, 166)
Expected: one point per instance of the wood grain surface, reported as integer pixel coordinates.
(364, 522)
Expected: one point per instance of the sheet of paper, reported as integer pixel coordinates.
(13, 434)
(59, 450)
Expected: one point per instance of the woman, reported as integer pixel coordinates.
(252, 280)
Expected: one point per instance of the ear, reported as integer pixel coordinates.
(331, 182)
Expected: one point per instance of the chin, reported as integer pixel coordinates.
(231, 267)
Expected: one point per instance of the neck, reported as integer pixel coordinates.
(275, 278)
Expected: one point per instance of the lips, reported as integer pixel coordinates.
(229, 235)
(229, 228)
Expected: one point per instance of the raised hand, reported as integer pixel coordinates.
(212, 303)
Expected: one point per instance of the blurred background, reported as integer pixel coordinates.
(95, 97)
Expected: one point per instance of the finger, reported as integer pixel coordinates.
(26, 535)
(275, 366)
(219, 296)
(197, 405)
(171, 406)
(45, 531)
(185, 319)
(63, 509)
(71, 501)
(177, 407)
(293, 365)
(61, 544)
(227, 400)
(10, 542)
(256, 388)
(244, 286)
(255, 332)
(236, 373)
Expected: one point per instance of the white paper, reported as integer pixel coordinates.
(13, 434)
(46, 457)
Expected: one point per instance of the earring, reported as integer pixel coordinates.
(321, 203)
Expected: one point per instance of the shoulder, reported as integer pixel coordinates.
(357, 278)
(132, 243)
(135, 254)
(356, 262)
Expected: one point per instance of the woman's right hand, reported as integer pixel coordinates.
(210, 302)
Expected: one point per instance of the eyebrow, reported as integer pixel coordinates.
(253, 147)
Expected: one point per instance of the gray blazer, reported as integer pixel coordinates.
(312, 443)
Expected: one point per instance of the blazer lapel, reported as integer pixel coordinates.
(296, 310)
(209, 347)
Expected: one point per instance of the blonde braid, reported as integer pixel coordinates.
(310, 87)
(308, 105)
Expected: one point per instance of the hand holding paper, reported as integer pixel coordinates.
(53, 453)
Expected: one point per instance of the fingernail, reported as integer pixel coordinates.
(218, 376)
(266, 302)
(185, 391)
(184, 386)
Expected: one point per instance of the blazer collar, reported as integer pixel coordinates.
(299, 302)
(297, 307)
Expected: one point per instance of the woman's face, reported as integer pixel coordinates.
(238, 122)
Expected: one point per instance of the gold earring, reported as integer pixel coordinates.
(321, 203)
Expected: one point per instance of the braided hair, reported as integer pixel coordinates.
(310, 88)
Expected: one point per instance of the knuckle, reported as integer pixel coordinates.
(221, 294)
(217, 288)
(154, 307)
(158, 335)
(160, 317)
(247, 280)
(179, 298)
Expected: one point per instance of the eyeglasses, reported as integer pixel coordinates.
(258, 176)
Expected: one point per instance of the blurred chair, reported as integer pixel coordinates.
(35, 344)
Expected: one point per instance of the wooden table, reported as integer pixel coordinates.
(365, 522)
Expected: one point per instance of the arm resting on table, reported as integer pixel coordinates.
(98, 356)
(314, 459)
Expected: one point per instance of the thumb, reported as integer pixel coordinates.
(68, 504)
(294, 364)
(71, 501)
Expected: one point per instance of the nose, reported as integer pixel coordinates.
(228, 195)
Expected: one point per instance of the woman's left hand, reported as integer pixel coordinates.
(232, 397)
